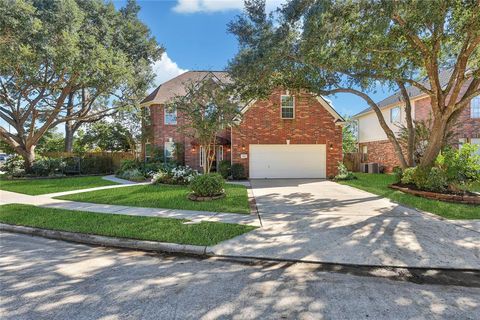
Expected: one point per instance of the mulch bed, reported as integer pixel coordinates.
(467, 198)
(194, 197)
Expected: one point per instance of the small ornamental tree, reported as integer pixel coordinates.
(208, 108)
(329, 47)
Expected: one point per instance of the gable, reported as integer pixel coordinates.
(338, 119)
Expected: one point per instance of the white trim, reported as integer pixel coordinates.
(220, 151)
(396, 103)
(281, 106)
(201, 154)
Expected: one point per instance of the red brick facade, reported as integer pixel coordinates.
(262, 124)
(466, 129)
(313, 124)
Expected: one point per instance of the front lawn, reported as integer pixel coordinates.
(121, 226)
(166, 196)
(378, 184)
(43, 186)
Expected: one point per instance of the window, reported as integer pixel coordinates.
(288, 107)
(169, 150)
(475, 108)
(170, 116)
(202, 156)
(148, 151)
(365, 149)
(395, 115)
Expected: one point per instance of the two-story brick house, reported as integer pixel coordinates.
(285, 136)
(373, 141)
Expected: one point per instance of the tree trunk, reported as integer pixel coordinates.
(69, 132)
(435, 142)
(28, 154)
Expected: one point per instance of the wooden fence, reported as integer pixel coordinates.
(116, 157)
(353, 160)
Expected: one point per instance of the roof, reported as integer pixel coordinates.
(178, 85)
(412, 91)
(175, 87)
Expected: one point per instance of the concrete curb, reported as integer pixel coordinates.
(110, 241)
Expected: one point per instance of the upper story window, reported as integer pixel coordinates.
(288, 107)
(170, 116)
(395, 115)
(475, 108)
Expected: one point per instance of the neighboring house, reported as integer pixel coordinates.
(284, 136)
(373, 140)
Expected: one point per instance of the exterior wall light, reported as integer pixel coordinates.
(331, 146)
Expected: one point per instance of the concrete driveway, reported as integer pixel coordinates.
(319, 220)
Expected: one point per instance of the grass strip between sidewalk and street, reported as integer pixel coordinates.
(166, 196)
(35, 187)
(121, 226)
(378, 184)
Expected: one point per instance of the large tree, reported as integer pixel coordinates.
(68, 61)
(330, 47)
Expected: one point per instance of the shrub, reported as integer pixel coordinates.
(436, 180)
(44, 166)
(343, 173)
(224, 168)
(14, 167)
(462, 167)
(238, 171)
(132, 175)
(420, 177)
(177, 175)
(130, 165)
(208, 185)
(407, 175)
(398, 174)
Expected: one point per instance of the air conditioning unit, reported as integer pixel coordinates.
(370, 167)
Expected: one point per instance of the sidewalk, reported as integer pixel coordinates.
(47, 201)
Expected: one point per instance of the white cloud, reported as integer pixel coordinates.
(194, 6)
(165, 69)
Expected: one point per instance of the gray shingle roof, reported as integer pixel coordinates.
(412, 92)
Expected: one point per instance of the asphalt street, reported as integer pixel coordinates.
(49, 279)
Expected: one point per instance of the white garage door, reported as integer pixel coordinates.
(287, 161)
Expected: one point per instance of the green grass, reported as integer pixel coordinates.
(378, 184)
(121, 226)
(166, 196)
(43, 186)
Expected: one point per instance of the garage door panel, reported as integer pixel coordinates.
(288, 161)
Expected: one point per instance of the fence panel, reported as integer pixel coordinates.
(353, 160)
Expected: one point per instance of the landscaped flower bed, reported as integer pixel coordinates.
(466, 198)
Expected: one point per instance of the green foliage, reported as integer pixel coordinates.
(349, 136)
(107, 136)
(455, 170)
(132, 175)
(45, 166)
(238, 171)
(462, 167)
(407, 176)
(69, 60)
(207, 109)
(208, 185)
(14, 167)
(224, 168)
(398, 174)
(182, 175)
(51, 141)
(343, 173)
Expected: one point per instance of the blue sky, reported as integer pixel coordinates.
(195, 37)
